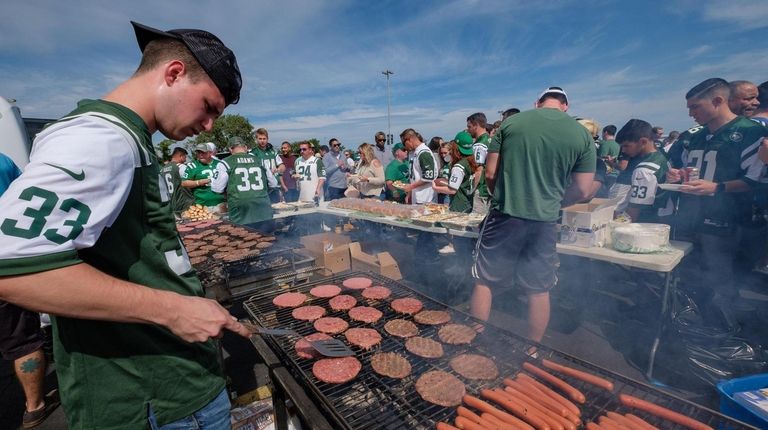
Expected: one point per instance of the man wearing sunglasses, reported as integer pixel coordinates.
(336, 168)
(380, 151)
(310, 174)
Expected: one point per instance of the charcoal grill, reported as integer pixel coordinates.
(371, 401)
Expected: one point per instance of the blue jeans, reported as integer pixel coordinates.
(213, 416)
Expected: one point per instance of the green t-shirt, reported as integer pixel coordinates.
(649, 171)
(481, 144)
(247, 189)
(461, 180)
(396, 171)
(204, 195)
(609, 148)
(538, 151)
(181, 197)
(116, 217)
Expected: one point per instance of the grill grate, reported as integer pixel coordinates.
(371, 401)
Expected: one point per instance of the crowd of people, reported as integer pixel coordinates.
(134, 339)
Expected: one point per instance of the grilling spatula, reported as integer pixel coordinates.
(326, 347)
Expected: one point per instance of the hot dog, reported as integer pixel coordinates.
(443, 426)
(645, 425)
(572, 392)
(555, 421)
(501, 415)
(537, 394)
(593, 426)
(661, 412)
(624, 421)
(610, 424)
(467, 424)
(466, 413)
(528, 415)
(578, 374)
(548, 391)
(500, 424)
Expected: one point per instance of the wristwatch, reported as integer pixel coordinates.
(720, 188)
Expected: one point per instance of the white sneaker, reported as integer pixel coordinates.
(326, 228)
(447, 249)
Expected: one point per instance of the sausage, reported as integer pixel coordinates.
(572, 408)
(499, 423)
(528, 415)
(662, 412)
(536, 402)
(466, 413)
(624, 421)
(572, 392)
(537, 395)
(610, 424)
(467, 424)
(443, 426)
(501, 415)
(593, 426)
(578, 374)
(645, 425)
(556, 422)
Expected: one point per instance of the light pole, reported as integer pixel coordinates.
(389, 121)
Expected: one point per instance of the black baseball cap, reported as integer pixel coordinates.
(215, 58)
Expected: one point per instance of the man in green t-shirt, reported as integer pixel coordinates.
(531, 161)
(608, 151)
(181, 197)
(397, 170)
(89, 238)
(199, 175)
(245, 181)
(476, 127)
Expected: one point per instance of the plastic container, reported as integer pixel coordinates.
(728, 405)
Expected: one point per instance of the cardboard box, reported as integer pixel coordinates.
(381, 263)
(586, 224)
(330, 250)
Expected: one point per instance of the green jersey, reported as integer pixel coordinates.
(396, 171)
(204, 194)
(70, 206)
(650, 170)
(181, 197)
(609, 148)
(461, 180)
(247, 191)
(480, 151)
(538, 151)
(270, 160)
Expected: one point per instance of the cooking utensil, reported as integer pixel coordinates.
(326, 347)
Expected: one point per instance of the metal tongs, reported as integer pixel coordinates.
(327, 347)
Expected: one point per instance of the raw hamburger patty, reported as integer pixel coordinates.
(336, 370)
(305, 350)
(377, 293)
(342, 302)
(456, 334)
(363, 337)
(432, 317)
(357, 283)
(308, 313)
(331, 325)
(325, 291)
(407, 305)
(390, 364)
(289, 300)
(401, 328)
(473, 366)
(440, 388)
(424, 347)
(365, 314)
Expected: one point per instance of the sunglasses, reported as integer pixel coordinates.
(335, 146)
(381, 140)
(303, 149)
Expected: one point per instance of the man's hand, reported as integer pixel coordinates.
(196, 319)
(762, 153)
(699, 187)
(674, 176)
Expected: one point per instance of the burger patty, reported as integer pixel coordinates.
(363, 337)
(432, 317)
(357, 283)
(289, 300)
(473, 366)
(365, 314)
(305, 350)
(336, 370)
(440, 388)
(331, 325)
(407, 305)
(456, 334)
(342, 302)
(377, 293)
(390, 364)
(401, 328)
(424, 347)
(308, 313)
(325, 291)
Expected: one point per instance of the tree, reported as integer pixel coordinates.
(164, 149)
(225, 128)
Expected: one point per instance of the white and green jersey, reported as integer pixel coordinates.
(92, 192)
(423, 168)
(462, 180)
(653, 202)
(271, 160)
(310, 172)
(181, 197)
(245, 180)
(204, 194)
(480, 151)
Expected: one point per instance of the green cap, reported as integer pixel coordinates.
(464, 141)
(397, 146)
(236, 141)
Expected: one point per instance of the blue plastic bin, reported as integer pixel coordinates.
(728, 405)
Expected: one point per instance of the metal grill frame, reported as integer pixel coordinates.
(371, 401)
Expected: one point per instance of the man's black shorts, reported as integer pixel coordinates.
(20, 332)
(515, 250)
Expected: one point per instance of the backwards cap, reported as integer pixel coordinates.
(553, 90)
(215, 58)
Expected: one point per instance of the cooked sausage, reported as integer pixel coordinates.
(466, 413)
(572, 408)
(572, 392)
(578, 374)
(467, 424)
(528, 415)
(640, 422)
(443, 426)
(533, 392)
(624, 421)
(555, 421)
(662, 412)
(593, 426)
(610, 424)
(498, 413)
(499, 423)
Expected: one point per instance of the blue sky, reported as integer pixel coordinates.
(312, 68)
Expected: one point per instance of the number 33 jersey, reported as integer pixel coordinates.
(247, 189)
